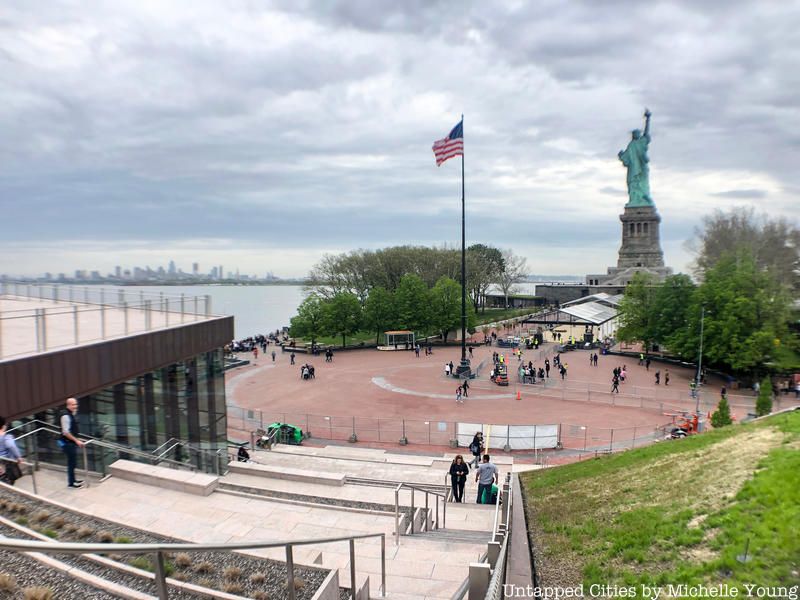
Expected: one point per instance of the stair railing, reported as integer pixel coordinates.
(438, 496)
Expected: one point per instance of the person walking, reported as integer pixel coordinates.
(615, 385)
(486, 476)
(647, 364)
(458, 477)
(465, 387)
(458, 395)
(547, 367)
(273, 356)
(658, 377)
(666, 377)
(416, 350)
(69, 441)
(447, 369)
(476, 447)
(291, 358)
(255, 353)
(9, 467)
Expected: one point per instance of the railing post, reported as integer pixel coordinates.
(125, 309)
(479, 574)
(147, 316)
(444, 509)
(85, 466)
(183, 307)
(413, 516)
(44, 329)
(383, 565)
(102, 320)
(633, 442)
(397, 516)
(75, 327)
(611, 444)
(353, 586)
(289, 572)
(161, 577)
(427, 509)
(208, 304)
(437, 510)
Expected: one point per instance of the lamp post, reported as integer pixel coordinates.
(699, 363)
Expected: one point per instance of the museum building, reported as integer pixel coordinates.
(147, 370)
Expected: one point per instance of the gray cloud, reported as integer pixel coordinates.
(741, 194)
(311, 123)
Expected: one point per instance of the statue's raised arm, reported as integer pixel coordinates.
(647, 114)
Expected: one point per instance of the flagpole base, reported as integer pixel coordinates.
(464, 370)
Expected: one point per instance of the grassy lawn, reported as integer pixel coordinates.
(677, 512)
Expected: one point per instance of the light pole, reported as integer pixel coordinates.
(699, 363)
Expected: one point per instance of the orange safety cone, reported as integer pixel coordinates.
(519, 395)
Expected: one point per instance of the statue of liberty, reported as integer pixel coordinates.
(635, 158)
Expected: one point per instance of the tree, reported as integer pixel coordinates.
(412, 302)
(379, 311)
(309, 322)
(775, 244)
(722, 416)
(445, 299)
(764, 400)
(484, 265)
(512, 273)
(746, 315)
(637, 311)
(672, 301)
(342, 315)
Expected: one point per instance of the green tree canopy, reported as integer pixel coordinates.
(380, 313)
(638, 311)
(445, 298)
(746, 314)
(309, 321)
(412, 302)
(342, 315)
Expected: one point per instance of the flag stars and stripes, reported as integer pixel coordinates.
(452, 145)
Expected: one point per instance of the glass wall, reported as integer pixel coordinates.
(176, 412)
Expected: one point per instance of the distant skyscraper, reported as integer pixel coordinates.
(195, 269)
(221, 272)
(117, 271)
(172, 269)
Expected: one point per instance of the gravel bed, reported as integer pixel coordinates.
(29, 572)
(235, 487)
(130, 581)
(228, 571)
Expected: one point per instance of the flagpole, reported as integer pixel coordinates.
(464, 367)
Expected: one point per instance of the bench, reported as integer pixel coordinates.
(200, 484)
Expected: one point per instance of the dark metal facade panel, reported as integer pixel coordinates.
(35, 383)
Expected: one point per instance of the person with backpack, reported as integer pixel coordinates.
(458, 477)
(476, 447)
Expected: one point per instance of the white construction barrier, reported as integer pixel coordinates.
(516, 437)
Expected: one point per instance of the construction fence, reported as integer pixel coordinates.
(433, 432)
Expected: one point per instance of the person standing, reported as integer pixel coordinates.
(69, 441)
(291, 358)
(476, 447)
(465, 387)
(458, 477)
(547, 367)
(273, 356)
(647, 364)
(658, 377)
(255, 353)
(447, 369)
(9, 470)
(458, 395)
(666, 377)
(615, 385)
(485, 477)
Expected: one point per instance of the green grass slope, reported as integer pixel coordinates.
(676, 512)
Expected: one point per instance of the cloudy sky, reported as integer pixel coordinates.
(264, 134)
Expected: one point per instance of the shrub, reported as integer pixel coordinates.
(58, 522)
(123, 540)
(764, 400)
(204, 567)
(299, 583)
(183, 560)
(105, 537)
(7, 583)
(70, 528)
(21, 521)
(40, 516)
(260, 595)
(232, 573)
(49, 533)
(233, 588)
(142, 562)
(37, 593)
(205, 582)
(84, 532)
(257, 578)
(722, 416)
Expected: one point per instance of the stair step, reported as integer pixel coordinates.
(465, 536)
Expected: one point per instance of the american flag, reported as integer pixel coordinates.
(452, 145)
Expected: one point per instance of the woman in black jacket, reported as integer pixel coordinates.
(458, 477)
(476, 447)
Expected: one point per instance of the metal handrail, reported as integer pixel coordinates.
(160, 549)
(24, 463)
(495, 591)
(427, 493)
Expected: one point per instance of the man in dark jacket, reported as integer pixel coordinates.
(70, 442)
